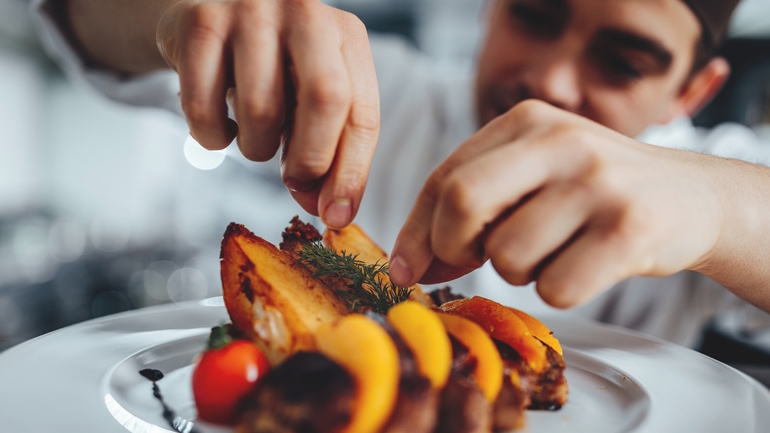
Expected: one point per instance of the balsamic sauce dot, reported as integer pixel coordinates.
(152, 374)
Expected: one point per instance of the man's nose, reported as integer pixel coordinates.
(556, 80)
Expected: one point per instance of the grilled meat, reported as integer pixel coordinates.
(417, 402)
(508, 410)
(547, 390)
(463, 408)
(297, 234)
(444, 294)
(307, 393)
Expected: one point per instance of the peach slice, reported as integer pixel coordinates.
(489, 365)
(366, 351)
(539, 330)
(502, 324)
(422, 331)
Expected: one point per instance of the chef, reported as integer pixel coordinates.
(562, 172)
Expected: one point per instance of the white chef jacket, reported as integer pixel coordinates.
(426, 114)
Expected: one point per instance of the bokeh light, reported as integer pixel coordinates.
(187, 284)
(67, 240)
(201, 158)
(109, 235)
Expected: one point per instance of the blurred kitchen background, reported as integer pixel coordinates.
(106, 208)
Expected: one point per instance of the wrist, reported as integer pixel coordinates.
(743, 225)
(115, 35)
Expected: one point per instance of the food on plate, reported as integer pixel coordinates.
(365, 350)
(351, 352)
(425, 335)
(307, 392)
(534, 365)
(487, 370)
(224, 373)
(271, 297)
(503, 325)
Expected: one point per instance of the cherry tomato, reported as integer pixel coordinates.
(224, 373)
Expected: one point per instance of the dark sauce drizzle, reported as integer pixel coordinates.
(178, 423)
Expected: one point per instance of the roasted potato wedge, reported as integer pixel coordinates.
(272, 298)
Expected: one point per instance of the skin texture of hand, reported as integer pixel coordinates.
(552, 197)
(298, 75)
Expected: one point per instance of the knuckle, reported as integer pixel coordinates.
(459, 195)
(260, 112)
(528, 111)
(311, 166)
(364, 120)
(555, 297)
(203, 21)
(248, 9)
(197, 111)
(351, 183)
(302, 18)
(509, 267)
(352, 23)
(257, 15)
(629, 232)
(432, 186)
(327, 95)
(636, 227)
(559, 291)
(304, 7)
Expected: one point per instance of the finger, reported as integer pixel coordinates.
(413, 253)
(323, 103)
(537, 229)
(478, 193)
(602, 255)
(344, 186)
(259, 80)
(202, 78)
(440, 272)
(308, 198)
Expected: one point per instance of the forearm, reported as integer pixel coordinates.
(740, 260)
(117, 35)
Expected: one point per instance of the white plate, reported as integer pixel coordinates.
(85, 379)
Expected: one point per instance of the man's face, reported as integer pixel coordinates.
(620, 63)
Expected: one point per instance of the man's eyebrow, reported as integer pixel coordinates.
(555, 4)
(639, 43)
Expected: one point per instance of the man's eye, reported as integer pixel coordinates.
(617, 68)
(536, 21)
(621, 66)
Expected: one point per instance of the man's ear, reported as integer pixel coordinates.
(700, 88)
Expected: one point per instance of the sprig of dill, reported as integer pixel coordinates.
(366, 287)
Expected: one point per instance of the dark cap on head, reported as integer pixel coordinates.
(714, 17)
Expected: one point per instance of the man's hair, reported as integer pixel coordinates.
(714, 17)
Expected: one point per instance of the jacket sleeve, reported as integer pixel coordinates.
(158, 89)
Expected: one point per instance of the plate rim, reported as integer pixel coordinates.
(214, 307)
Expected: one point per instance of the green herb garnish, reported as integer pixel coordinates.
(366, 287)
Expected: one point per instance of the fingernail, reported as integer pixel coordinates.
(400, 274)
(296, 185)
(338, 213)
